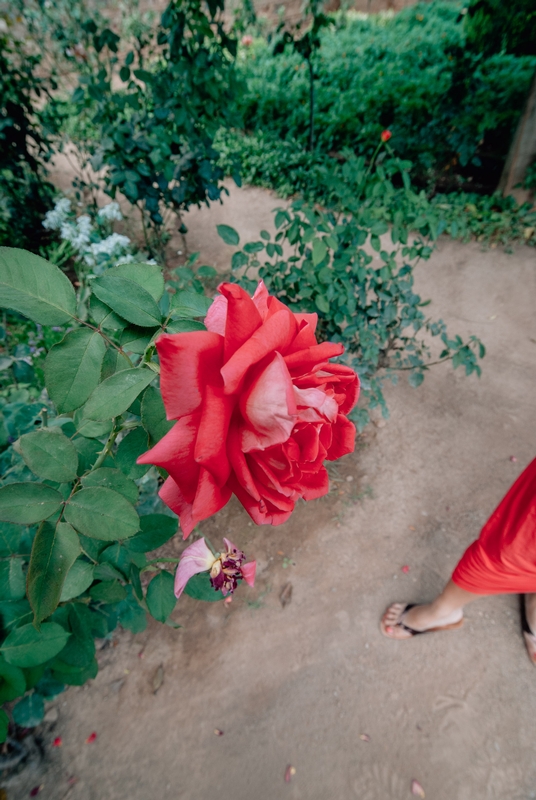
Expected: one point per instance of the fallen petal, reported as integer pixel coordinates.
(513, 458)
(72, 780)
(289, 773)
(416, 789)
(364, 737)
(218, 732)
(405, 569)
(158, 679)
(35, 791)
(58, 741)
(285, 595)
(91, 738)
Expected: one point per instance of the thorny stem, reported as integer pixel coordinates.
(106, 450)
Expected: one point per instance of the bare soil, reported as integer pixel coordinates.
(314, 684)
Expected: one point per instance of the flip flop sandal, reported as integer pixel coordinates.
(383, 627)
(528, 635)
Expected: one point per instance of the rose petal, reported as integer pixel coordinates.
(58, 741)
(417, 789)
(91, 738)
(210, 446)
(188, 362)
(197, 557)
(260, 298)
(275, 335)
(248, 572)
(268, 407)
(243, 318)
(405, 569)
(175, 453)
(289, 773)
(304, 360)
(343, 441)
(217, 316)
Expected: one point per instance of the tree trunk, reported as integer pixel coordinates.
(522, 150)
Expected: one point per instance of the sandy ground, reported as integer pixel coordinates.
(299, 685)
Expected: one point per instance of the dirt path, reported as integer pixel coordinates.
(299, 685)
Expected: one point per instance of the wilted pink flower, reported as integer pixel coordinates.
(247, 40)
(226, 569)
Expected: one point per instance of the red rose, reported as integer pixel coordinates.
(258, 408)
(385, 136)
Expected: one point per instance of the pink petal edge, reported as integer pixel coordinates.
(248, 572)
(197, 557)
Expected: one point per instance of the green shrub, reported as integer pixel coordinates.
(446, 108)
(25, 144)
(77, 513)
(338, 263)
(492, 26)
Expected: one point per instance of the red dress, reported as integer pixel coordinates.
(503, 558)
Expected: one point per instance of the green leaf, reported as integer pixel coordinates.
(10, 536)
(130, 448)
(74, 676)
(15, 613)
(108, 592)
(319, 251)
(35, 288)
(29, 711)
(136, 340)
(101, 513)
(12, 583)
(73, 367)
(28, 647)
(88, 427)
(49, 688)
(4, 725)
(119, 557)
(160, 596)
(228, 234)
(190, 304)
(78, 579)
(33, 675)
(104, 316)
(112, 479)
(200, 588)
(26, 503)
(148, 276)
(113, 396)
(153, 415)
(131, 615)
(184, 326)
(12, 681)
(50, 454)
(128, 299)
(54, 551)
(322, 303)
(156, 530)
(415, 379)
(80, 649)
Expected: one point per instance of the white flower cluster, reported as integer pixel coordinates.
(86, 238)
(110, 213)
(54, 219)
(78, 233)
(113, 245)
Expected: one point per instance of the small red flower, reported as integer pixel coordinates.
(91, 738)
(385, 136)
(58, 741)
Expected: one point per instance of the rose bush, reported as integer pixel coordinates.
(258, 409)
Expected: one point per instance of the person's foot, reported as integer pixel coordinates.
(397, 623)
(530, 616)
